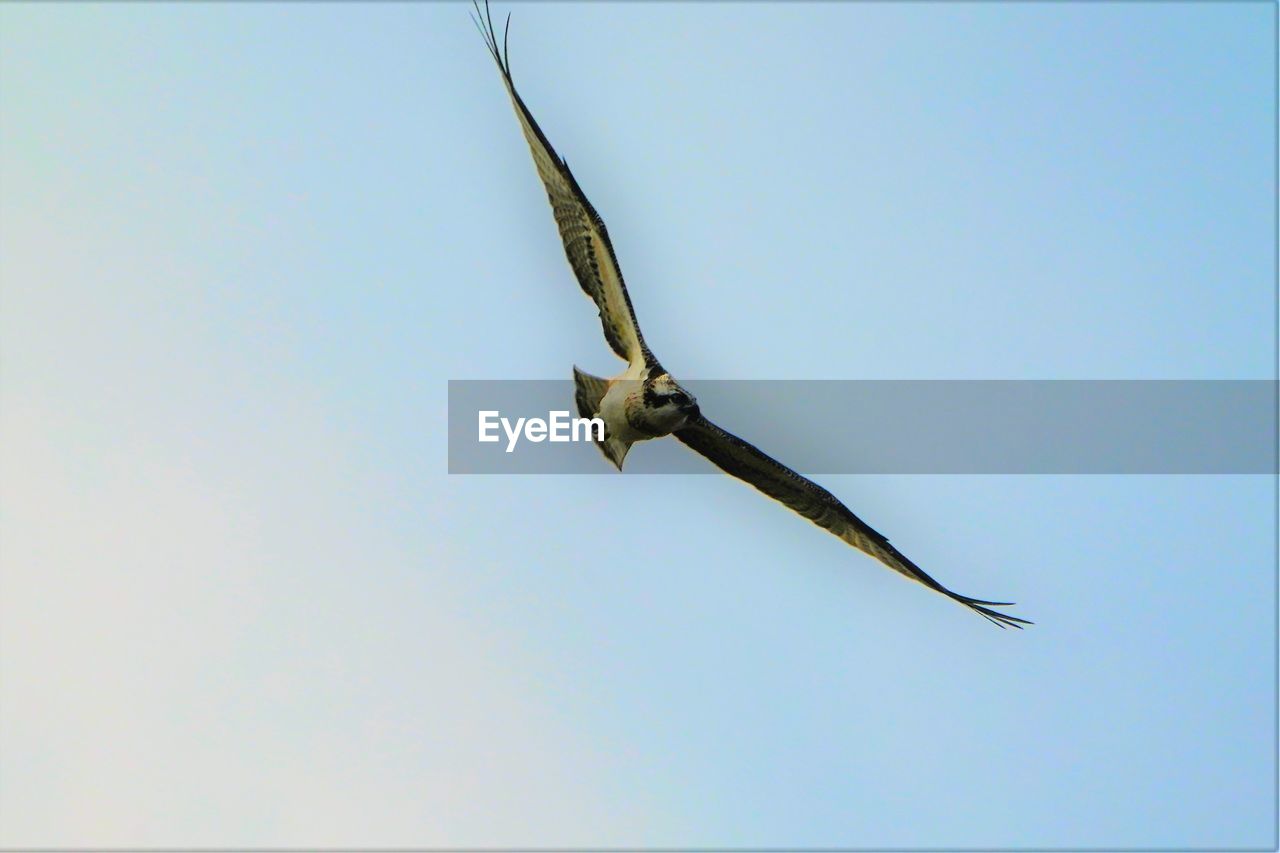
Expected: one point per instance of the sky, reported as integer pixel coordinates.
(244, 248)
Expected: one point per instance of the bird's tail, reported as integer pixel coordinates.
(588, 392)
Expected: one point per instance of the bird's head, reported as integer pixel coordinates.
(665, 397)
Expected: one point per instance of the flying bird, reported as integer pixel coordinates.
(644, 402)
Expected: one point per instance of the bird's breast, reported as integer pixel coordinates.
(618, 408)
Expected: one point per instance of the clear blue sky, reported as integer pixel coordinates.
(243, 248)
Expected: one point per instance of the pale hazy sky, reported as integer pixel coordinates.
(243, 248)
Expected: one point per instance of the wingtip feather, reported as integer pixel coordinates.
(1003, 620)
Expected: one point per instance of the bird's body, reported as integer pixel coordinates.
(644, 402)
(637, 405)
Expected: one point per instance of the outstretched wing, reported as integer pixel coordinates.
(586, 241)
(749, 464)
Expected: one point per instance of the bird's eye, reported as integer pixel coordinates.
(679, 399)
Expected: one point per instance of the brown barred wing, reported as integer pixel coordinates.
(586, 241)
(746, 462)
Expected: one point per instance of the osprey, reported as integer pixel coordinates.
(644, 401)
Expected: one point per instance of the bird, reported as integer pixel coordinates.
(644, 401)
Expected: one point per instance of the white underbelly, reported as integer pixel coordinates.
(613, 410)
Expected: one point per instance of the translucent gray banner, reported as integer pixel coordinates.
(904, 427)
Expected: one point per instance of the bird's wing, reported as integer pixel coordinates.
(749, 464)
(586, 241)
